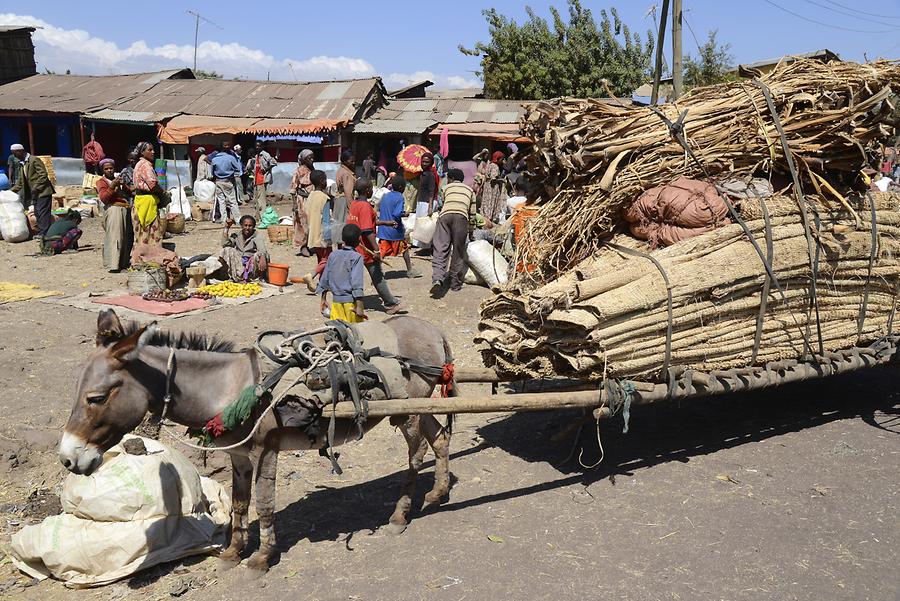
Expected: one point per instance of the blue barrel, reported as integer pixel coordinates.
(4, 182)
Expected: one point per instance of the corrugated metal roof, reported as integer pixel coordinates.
(337, 100)
(6, 28)
(417, 115)
(77, 93)
(129, 116)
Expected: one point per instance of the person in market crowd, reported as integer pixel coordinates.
(345, 184)
(362, 215)
(204, 169)
(392, 237)
(118, 233)
(454, 226)
(343, 278)
(319, 235)
(440, 161)
(244, 252)
(63, 234)
(127, 174)
(369, 167)
(494, 187)
(429, 183)
(13, 164)
(149, 198)
(35, 186)
(226, 168)
(302, 187)
(92, 154)
(263, 164)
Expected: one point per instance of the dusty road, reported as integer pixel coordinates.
(781, 495)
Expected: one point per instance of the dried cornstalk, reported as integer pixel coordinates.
(597, 157)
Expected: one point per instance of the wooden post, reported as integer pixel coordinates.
(660, 40)
(81, 130)
(31, 148)
(676, 50)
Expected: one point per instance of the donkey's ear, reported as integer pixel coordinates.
(128, 348)
(109, 328)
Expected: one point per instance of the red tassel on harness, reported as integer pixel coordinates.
(215, 427)
(446, 380)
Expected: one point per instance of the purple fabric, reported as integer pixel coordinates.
(467, 167)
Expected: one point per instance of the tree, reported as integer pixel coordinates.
(713, 65)
(201, 74)
(533, 61)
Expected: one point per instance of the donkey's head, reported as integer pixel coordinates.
(111, 399)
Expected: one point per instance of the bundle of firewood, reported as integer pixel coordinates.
(610, 315)
(595, 157)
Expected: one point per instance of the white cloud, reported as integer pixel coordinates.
(441, 81)
(59, 50)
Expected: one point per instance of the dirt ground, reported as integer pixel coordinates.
(788, 494)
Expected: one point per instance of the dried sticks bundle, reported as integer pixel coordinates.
(598, 157)
(609, 316)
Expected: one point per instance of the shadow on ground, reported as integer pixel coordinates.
(670, 431)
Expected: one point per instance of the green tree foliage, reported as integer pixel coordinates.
(201, 74)
(712, 65)
(536, 60)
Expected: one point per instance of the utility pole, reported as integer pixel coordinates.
(660, 40)
(676, 50)
(197, 17)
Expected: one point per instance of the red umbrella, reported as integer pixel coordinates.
(410, 158)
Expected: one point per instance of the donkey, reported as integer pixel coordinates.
(126, 376)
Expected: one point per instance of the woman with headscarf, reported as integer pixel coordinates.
(482, 159)
(301, 186)
(494, 190)
(118, 234)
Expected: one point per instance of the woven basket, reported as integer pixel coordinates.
(175, 223)
(280, 233)
(147, 279)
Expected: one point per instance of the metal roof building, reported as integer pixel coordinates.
(496, 119)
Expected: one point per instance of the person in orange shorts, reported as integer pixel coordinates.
(392, 240)
(520, 217)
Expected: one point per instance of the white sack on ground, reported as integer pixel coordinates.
(13, 223)
(134, 512)
(487, 262)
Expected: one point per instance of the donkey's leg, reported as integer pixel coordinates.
(417, 449)
(439, 438)
(241, 479)
(266, 468)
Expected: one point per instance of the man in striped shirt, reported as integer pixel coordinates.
(454, 226)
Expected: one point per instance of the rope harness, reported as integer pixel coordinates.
(342, 362)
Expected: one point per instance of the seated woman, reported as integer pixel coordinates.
(63, 234)
(244, 253)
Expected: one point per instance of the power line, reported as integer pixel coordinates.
(854, 14)
(799, 16)
(856, 10)
(693, 35)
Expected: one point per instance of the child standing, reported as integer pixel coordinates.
(343, 277)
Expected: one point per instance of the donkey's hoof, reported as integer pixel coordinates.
(436, 498)
(224, 564)
(395, 528)
(258, 561)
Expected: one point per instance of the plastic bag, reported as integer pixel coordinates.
(13, 223)
(134, 512)
(487, 262)
(204, 190)
(269, 217)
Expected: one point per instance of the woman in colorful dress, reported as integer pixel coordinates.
(493, 194)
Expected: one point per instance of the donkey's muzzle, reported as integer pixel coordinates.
(77, 456)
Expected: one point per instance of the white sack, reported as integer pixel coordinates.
(134, 512)
(423, 230)
(204, 190)
(180, 203)
(487, 262)
(13, 223)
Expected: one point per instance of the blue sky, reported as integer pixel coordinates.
(325, 40)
